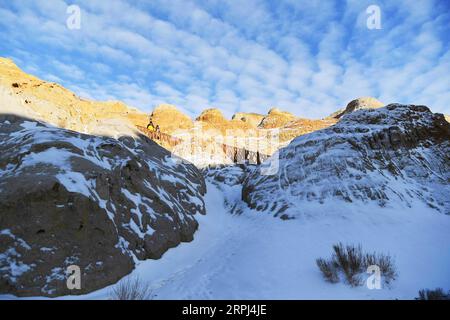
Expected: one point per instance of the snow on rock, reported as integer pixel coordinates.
(254, 256)
(392, 156)
(97, 202)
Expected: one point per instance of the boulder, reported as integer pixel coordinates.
(96, 202)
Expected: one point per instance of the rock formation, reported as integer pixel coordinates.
(259, 135)
(254, 119)
(357, 104)
(396, 155)
(276, 119)
(80, 185)
(28, 96)
(212, 116)
(96, 202)
(170, 119)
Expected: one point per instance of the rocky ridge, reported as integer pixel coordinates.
(396, 155)
(28, 96)
(204, 138)
(25, 95)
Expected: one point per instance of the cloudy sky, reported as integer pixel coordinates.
(307, 57)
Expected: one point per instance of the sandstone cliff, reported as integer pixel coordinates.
(210, 139)
(28, 96)
(214, 140)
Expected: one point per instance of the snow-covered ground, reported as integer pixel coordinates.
(257, 256)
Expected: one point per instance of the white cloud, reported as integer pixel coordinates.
(307, 57)
(68, 70)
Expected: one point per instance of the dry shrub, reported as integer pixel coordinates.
(436, 294)
(328, 270)
(350, 261)
(131, 288)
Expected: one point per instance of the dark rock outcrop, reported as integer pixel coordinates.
(96, 202)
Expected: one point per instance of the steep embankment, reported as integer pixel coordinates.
(96, 202)
(390, 156)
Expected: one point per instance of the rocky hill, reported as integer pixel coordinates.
(28, 96)
(358, 104)
(80, 184)
(276, 118)
(170, 119)
(254, 119)
(97, 202)
(205, 136)
(396, 155)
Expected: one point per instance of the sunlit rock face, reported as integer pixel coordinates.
(254, 119)
(28, 96)
(170, 119)
(358, 104)
(246, 138)
(276, 118)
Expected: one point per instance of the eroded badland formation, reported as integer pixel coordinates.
(86, 183)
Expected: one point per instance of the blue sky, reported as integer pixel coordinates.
(307, 57)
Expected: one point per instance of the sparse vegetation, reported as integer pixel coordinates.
(436, 294)
(351, 262)
(385, 262)
(131, 288)
(328, 270)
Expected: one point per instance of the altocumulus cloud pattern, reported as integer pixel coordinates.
(236, 55)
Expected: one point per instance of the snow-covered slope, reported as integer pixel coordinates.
(394, 156)
(254, 256)
(96, 202)
(359, 182)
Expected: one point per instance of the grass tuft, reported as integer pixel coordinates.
(436, 294)
(352, 262)
(131, 288)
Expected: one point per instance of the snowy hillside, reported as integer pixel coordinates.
(100, 203)
(254, 256)
(396, 156)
